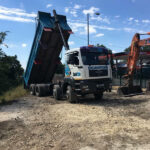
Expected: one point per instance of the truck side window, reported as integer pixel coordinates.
(73, 59)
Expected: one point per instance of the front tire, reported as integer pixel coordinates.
(71, 97)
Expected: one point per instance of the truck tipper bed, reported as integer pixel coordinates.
(46, 48)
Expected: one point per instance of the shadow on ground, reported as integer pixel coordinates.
(113, 101)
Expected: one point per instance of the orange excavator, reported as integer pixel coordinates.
(128, 87)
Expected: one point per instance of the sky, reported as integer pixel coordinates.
(118, 21)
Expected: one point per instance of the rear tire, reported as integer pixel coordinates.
(38, 91)
(71, 97)
(57, 92)
(32, 89)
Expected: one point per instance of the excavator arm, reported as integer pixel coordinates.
(128, 87)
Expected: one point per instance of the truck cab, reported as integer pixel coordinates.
(88, 70)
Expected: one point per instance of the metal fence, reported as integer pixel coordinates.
(141, 76)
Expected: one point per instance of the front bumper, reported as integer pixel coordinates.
(93, 86)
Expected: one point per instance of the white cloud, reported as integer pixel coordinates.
(92, 30)
(107, 28)
(117, 16)
(72, 10)
(99, 35)
(15, 14)
(129, 29)
(74, 13)
(130, 19)
(133, 30)
(90, 11)
(77, 6)
(15, 11)
(146, 21)
(83, 27)
(24, 45)
(18, 19)
(71, 42)
(99, 18)
(66, 9)
(136, 20)
(49, 5)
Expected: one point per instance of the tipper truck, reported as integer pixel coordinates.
(87, 69)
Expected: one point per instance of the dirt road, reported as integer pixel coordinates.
(45, 124)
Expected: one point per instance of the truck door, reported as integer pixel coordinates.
(74, 64)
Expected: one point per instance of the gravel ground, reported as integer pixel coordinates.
(42, 123)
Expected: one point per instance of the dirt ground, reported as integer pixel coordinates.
(113, 123)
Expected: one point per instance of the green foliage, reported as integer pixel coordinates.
(127, 49)
(13, 94)
(101, 45)
(2, 38)
(143, 49)
(10, 69)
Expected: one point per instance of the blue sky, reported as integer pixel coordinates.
(114, 27)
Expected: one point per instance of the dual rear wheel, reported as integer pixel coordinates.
(42, 90)
(39, 89)
(57, 93)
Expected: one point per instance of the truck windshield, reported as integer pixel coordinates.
(94, 57)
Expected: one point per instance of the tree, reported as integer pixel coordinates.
(142, 49)
(2, 38)
(101, 45)
(10, 68)
(127, 49)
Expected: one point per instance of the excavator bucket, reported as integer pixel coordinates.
(126, 91)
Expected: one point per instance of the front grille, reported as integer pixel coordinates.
(97, 73)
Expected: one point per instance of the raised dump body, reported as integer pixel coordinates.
(46, 48)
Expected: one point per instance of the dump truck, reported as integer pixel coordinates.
(87, 69)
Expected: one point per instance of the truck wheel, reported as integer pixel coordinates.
(57, 93)
(98, 96)
(71, 97)
(32, 89)
(38, 91)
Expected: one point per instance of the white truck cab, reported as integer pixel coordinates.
(88, 70)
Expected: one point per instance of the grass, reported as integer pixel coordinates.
(13, 94)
